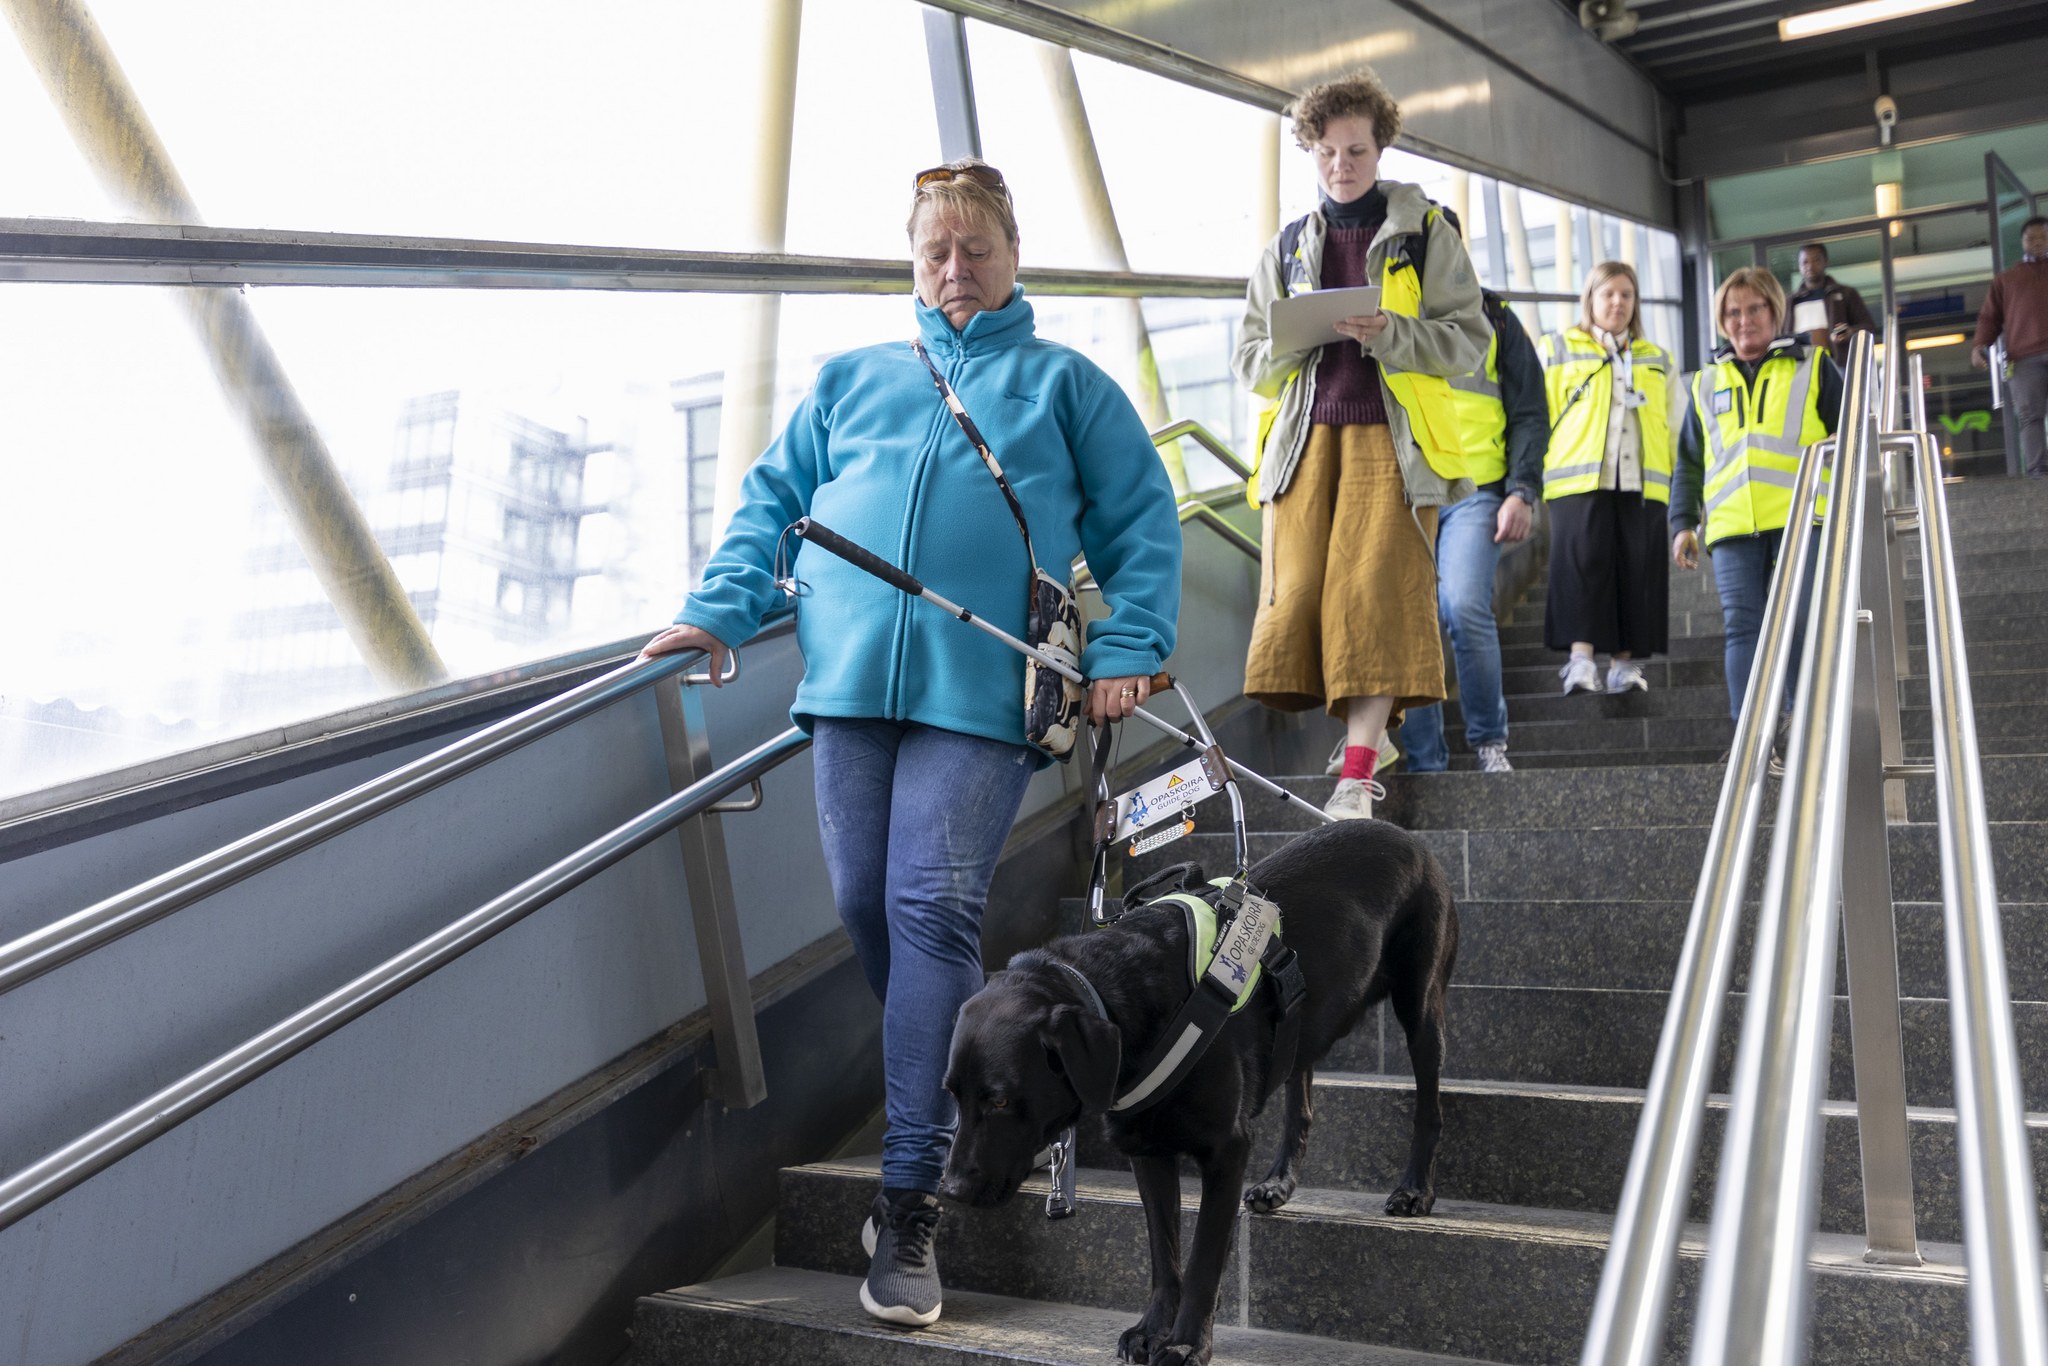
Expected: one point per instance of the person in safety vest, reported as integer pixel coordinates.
(1613, 401)
(1762, 401)
(1506, 425)
(1361, 443)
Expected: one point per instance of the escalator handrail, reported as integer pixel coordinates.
(29, 1189)
(51, 946)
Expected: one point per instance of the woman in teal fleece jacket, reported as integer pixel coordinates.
(917, 720)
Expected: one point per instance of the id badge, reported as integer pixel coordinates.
(1635, 398)
(1724, 402)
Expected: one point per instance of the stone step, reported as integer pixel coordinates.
(1497, 1282)
(1362, 1125)
(1994, 687)
(1574, 1036)
(785, 1314)
(1635, 945)
(2015, 789)
(1624, 862)
(2009, 625)
(1543, 680)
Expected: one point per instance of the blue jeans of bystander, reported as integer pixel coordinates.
(913, 819)
(1466, 557)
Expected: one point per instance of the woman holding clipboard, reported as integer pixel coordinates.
(1359, 447)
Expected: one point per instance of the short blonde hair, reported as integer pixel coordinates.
(1758, 280)
(1600, 275)
(967, 198)
(1360, 93)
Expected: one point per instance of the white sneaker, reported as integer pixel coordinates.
(1624, 674)
(1353, 799)
(1493, 758)
(1580, 674)
(1389, 755)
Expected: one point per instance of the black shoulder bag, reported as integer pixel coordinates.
(1052, 703)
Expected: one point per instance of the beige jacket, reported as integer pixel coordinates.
(1449, 339)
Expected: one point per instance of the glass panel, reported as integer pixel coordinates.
(2013, 206)
(1179, 207)
(615, 121)
(1791, 198)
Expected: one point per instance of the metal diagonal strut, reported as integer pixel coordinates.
(91, 92)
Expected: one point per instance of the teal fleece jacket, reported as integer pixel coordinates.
(873, 453)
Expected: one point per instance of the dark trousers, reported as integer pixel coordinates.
(2030, 412)
(1610, 574)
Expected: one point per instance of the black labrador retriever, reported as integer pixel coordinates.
(1367, 909)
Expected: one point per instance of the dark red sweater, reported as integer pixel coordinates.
(1347, 381)
(2017, 306)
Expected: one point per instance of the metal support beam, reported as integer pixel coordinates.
(747, 399)
(1091, 187)
(738, 1081)
(945, 43)
(107, 120)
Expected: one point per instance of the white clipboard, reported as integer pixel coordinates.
(1301, 321)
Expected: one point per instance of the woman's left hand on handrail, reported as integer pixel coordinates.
(1114, 699)
(679, 638)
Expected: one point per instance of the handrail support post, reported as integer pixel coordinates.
(739, 1080)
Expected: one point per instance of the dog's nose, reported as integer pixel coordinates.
(955, 1187)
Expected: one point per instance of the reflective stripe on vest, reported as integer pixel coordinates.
(1430, 401)
(1482, 421)
(1581, 397)
(1754, 443)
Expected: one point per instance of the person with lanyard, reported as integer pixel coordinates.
(1359, 448)
(1606, 478)
(1755, 408)
(2016, 309)
(918, 742)
(1506, 425)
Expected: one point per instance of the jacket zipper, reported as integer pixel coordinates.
(905, 605)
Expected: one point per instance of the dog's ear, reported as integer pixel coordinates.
(1088, 1050)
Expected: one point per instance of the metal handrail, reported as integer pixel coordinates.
(53, 945)
(1206, 439)
(1753, 1294)
(1629, 1310)
(36, 1185)
(2001, 1225)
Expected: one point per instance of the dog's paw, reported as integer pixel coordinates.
(1180, 1354)
(1268, 1196)
(1411, 1203)
(1136, 1343)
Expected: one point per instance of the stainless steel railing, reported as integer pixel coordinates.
(41, 1182)
(1842, 788)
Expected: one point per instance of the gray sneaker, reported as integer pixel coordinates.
(1493, 758)
(903, 1279)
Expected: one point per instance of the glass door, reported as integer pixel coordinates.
(2010, 205)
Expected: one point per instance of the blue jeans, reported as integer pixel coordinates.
(913, 819)
(1743, 566)
(1465, 560)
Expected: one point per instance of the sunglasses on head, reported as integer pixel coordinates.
(988, 177)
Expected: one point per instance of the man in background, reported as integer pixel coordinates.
(1847, 313)
(2016, 308)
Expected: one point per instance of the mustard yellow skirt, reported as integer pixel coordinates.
(1347, 583)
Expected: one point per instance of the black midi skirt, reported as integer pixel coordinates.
(1610, 574)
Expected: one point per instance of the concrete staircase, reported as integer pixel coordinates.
(1574, 878)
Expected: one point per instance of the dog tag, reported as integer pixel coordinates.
(1163, 836)
(1243, 942)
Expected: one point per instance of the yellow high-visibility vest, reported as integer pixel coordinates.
(1576, 379)
(1755, 436)
(1482, 418)
(1430, 401)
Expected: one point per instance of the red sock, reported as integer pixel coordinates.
(1359, 761)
